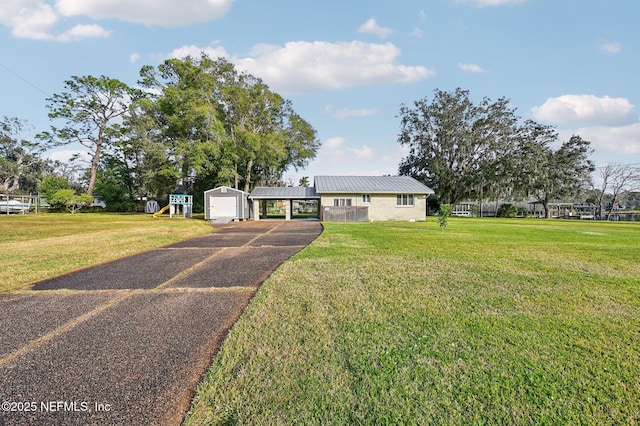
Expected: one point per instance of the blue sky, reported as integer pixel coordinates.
(347, 66)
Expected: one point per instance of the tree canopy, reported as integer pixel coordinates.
(21, 167)
(547, 174)
(92, 110)
(467, 150)
(456, 146)
(220, 126)
(188, 125)
(195, 123)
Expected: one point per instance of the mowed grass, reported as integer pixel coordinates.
(35, 247)
(487, 322)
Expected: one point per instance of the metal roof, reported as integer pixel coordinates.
(284, 193)
(343, 184)
(224, 189)
(370, 184)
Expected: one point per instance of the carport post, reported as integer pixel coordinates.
(256, 209)
(287, 209)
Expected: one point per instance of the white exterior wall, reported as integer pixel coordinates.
(256, 209)
(384, 206)
(242, 204)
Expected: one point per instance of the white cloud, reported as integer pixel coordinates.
(620, 142)
(30, 19)
(80, 32)
(167, 13)
(214, 52)
(485, 3)
(334, 150)
(261, 49)
(372, 27)
(333, 143)
(610, 47)
(473, 68)
(364, 152)
(134, 57)
(608, 123)
(305, 66)
(597, 111)
(36, 20)
(348, 113)
(336, 157)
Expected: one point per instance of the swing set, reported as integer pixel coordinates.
(180, 205)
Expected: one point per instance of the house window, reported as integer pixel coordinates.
(342, 202)
(366, 198)
(404, 200)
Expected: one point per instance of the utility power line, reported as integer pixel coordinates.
(24, 79)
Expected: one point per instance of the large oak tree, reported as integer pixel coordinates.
(547, 173)
(467, 150)
(225, 126)
(456, 146)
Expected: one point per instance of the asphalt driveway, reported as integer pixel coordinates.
(127, 342)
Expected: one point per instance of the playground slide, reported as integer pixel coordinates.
(162, 210)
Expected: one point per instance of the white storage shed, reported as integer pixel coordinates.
(225, 203)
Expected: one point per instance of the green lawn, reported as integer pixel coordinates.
(487, 322)
(34, 247)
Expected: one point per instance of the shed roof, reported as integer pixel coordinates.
(370, 184)
(225, 189)
(284, 193)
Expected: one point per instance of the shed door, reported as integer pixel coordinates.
(223, 206)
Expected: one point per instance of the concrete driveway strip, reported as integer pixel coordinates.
(141, 271)
(24, 318)
(128, 345)
(137, 363)
(237, 267)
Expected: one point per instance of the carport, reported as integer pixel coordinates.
(289, 197)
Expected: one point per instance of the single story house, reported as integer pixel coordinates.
(352, 198)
